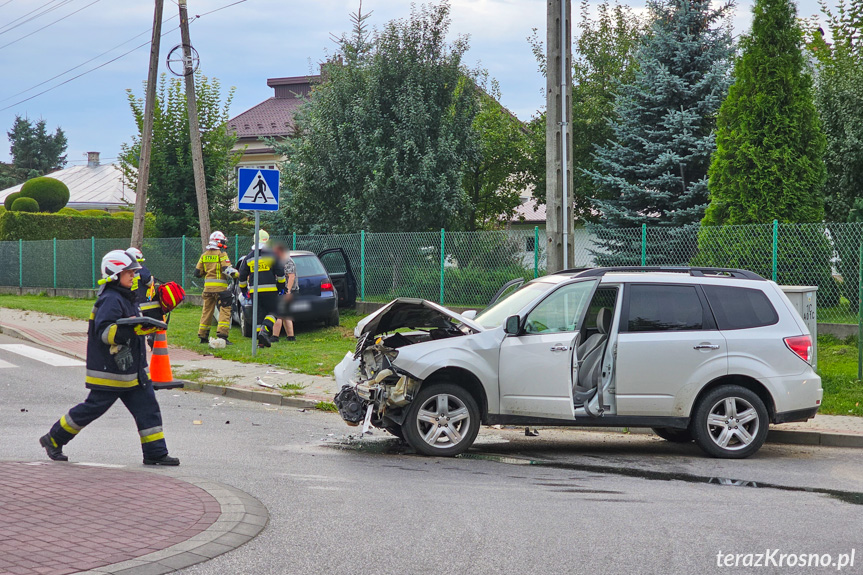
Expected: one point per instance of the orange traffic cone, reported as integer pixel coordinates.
(160, 364)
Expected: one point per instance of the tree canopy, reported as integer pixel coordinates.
(171, 191)
(35, 152)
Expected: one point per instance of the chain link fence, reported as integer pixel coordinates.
(467, 268)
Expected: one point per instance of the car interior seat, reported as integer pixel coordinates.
(589, 356)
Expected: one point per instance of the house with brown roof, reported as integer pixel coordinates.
(271, 119)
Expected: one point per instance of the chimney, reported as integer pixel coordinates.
(92, 159)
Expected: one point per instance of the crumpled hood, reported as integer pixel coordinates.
(412, 313)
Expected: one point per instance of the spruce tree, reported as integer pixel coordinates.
(654, 169)
(769, 158)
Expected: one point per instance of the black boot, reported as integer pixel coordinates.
(263, 339)
(54, 453)
(204, 340)
(290, 338)
(164, 460)
(227, 342)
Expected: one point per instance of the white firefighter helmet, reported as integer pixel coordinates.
(136, 253)
(218, 240)
(263, 238)
(115, 262)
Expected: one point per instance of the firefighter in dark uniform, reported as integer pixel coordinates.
(215, 267)
(144, 288)
(271, 284)
(116, 367)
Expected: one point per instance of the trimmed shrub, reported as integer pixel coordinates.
(25, 205)
(26, 226)
(69, 212)
(51, 194)
(123, 215)
(95, 213)
(7, 203)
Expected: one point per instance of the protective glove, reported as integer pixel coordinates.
(245, 292)
(141, 330)
(122, 356)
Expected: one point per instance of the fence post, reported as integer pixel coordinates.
(775, 246)
(55, 264)
(236, 248)
(643, 245)
(860, 315)
(362, 265)
(183, 265)
(535, 251)
(20, 263)
(93, 258)
(442, 258)
(294, 245)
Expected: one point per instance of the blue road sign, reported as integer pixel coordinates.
(258, 189)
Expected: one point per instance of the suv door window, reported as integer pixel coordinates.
(560, 311)
(740, 308)
(664, 308)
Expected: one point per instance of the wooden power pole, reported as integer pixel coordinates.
(147, 130)
(194, 129)
(558, 138)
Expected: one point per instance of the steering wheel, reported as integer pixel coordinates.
(535, 326)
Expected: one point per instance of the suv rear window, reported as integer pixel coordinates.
(664, 308)
(740, 308)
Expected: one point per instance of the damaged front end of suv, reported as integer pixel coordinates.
(377, 381)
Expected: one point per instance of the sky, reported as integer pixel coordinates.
(242, 45)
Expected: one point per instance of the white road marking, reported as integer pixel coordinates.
(43, 356)
(4, 364)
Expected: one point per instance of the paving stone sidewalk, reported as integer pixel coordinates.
(70, 336)
(60, 518)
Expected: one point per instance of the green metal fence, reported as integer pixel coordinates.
(466, 268)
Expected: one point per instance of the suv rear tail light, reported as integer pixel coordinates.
(326, 286)
(801, 345)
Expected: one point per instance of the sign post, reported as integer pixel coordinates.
(258, 191)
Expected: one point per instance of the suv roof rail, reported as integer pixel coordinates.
(693, 271)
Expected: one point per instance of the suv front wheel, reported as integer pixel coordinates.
(443, 420)
(730, 422)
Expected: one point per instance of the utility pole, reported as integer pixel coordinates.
(194, 129)
(558, 151)
(147, 130)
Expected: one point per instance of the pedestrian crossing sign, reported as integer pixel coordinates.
(258, 189)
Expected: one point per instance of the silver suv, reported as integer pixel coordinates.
(704, 354)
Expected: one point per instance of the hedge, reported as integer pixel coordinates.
(25, 226)
(51, 194)
(7, 203)
(23, 204)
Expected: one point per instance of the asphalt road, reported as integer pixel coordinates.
(607, 503)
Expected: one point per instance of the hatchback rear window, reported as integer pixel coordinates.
(740, 308)
(309, 266)
(664, 308)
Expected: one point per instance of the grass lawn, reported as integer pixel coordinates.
(837, 364)
(316, 351)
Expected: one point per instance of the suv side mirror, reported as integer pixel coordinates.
(469, 314)
(511, 326)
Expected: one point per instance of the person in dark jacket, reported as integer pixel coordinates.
(271, 285)
(116, 367)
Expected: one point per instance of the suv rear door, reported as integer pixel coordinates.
(667, 340)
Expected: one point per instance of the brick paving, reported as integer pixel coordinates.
(58, 518)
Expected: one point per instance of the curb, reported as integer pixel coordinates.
(778, 436)
(232, 392)
(242, 518)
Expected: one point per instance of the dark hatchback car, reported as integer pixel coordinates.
(321, 292)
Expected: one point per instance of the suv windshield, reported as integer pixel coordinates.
(512, 304)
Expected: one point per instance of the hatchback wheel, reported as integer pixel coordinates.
(730, 422)
(443, 420)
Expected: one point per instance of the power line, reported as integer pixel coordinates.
(105, 63)
(96, 57)
(47, 25)
(7, 2)
(9, 26)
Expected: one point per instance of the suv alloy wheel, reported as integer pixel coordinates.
(730, 422)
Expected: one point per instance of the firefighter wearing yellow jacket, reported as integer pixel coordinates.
(215, 267)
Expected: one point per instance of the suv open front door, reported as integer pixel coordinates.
(338, 267)
(545, 345)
